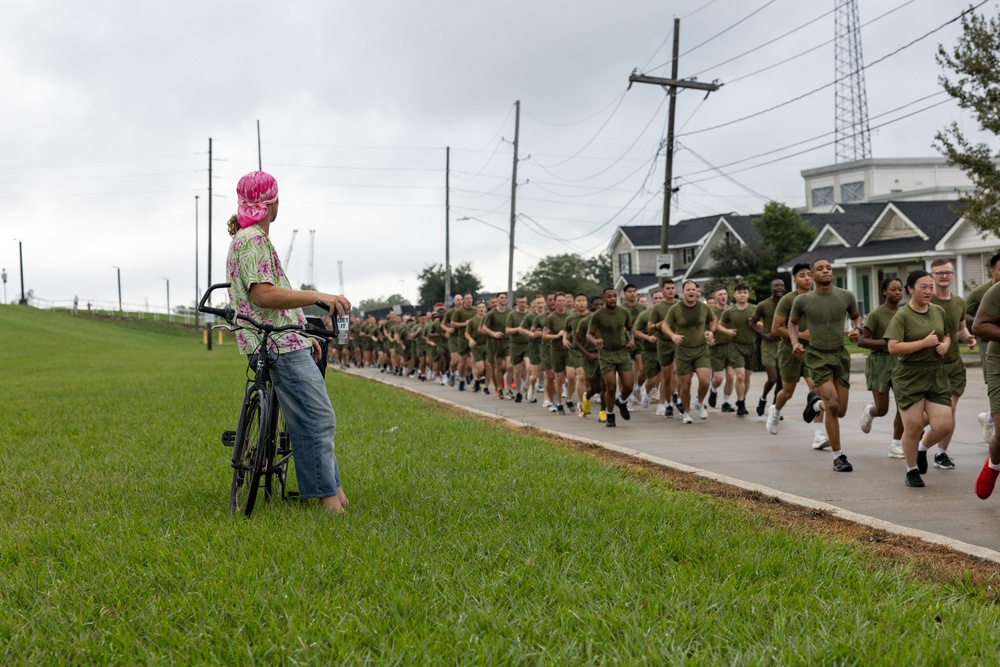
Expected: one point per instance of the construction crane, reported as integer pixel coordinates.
(288, 255)
(312, 254)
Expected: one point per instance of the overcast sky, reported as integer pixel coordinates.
(108, 108)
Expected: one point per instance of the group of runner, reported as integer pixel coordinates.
(570, 350)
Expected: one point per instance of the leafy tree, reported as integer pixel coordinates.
(568, 273)
(974, 65)
(782, 234)
(368, 305)
(431, 282)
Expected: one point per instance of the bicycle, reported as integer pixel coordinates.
(261, 445)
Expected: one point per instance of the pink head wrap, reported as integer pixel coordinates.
(255, 191)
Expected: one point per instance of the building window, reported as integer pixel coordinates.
(852, 192)
(688, 255)
(625, 263)
(822, 197)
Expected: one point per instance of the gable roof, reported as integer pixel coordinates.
(685, 232)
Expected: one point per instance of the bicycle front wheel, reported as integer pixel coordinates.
(249, 453)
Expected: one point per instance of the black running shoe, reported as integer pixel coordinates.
(741, 409)
(517, 398)
(713, 398)
(943, 461)
(727, 408)
(670, 411)
(810, 413)
(841, 464)
(761, 406)
(610, 422)
(475, 387)
(569, 405)
(913, 479)
(461, 385)
(623, 408)
(560, 409)
(922, 461)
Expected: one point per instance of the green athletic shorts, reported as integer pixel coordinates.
(559, 356)
(615, 360)
(687, 359)
(825, 365)
(591, 367)
(790, 367)
(478, 352)
(650, 363)
(665, 350)
(769, 353)
(574, 359)
(743, 355)
(534, 352)
(912, 381)
(454, 341)
(545, 354)
(463, 344)
(992, 372)
(719, 355)
(518, 352)
(956, 376)
(497, 349)
(878, 371)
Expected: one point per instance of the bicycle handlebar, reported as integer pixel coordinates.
(232, 317)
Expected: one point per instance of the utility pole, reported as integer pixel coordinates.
(197, 290)
(340, 272)
(260, 163)
(671, 85)
(447, 230)
(168, 298)
(208, 328)
(513, 205)
(20, 258)
(312, 254)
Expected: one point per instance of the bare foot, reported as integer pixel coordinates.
(344, 502)
(332, 505)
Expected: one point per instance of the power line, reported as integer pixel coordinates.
(729, 178)
(579, 122)
(621, 98)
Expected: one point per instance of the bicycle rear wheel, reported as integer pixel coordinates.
(249, 453)
(285, 473)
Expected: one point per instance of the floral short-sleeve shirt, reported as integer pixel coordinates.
(252, 259)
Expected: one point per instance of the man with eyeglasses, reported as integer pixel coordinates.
(943, 273)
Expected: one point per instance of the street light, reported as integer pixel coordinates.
(20, 257)
(118, 269)
(168, 297)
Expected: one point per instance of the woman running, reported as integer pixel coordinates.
(880, 364)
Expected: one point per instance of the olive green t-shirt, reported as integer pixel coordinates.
(516, 319)
(734, 318)
(975, 297)
(640, 324)
(784, 309)
(496, 320)
(954, 315)
(632, 310)
(580, 332)
(556, 324)
(691, 322)
(571, 323)
(610, 326)
(908, 326)
(877, 322)
(764, 313)
(657, 314)
(991, 306)
(461, 315)
(720, 338)
(473, 329)
(826, 314)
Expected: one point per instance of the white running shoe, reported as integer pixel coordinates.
(645, 400)
(820, 441)
(867, 418)
(661, 410)
(772, 420)
(702, 411)
(546, 403)
(687, 418)
(896, 451)
(989, 428)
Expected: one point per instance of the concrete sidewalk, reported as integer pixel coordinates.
(740, 451)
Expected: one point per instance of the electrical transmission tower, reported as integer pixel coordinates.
(850, 98)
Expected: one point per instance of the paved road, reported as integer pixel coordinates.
(739, 450)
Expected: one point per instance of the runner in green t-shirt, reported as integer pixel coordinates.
(575, 380)
(532, 326)
(553, 336)
(665, 349)
(691, 326)
(880, 364)
(517, 367)
(986, 325)
(647, 343)
(477, 347)
(735, 322)
(611, 332)
(722, 370)
(919, 339)
(943, 273)
(826, 359)
(494, 325)
(761, 321)
(589, 354)
(630, 302)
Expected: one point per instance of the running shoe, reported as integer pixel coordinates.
(670, 411)
(570, 405)
(922, 461)
(500, 394)
(645, 400)
(661, 410)
(986, 422)
(702, 411)
(895, 451)
(518, 398)
(585, 406)
(461, 385)
(451, 380)
(560, 409)
(713, 398)
(772, 420)
(610, 421)
(602, 416)
(943, 461)
(510, 393)
(726, 408)
(486, 390)
(553, 408)
(913, 479)
(867, 418)
(761, 406)
(986, 481)
(687, 419)
(810, 412)
(820, 441)
(623, 407)
(841, 464)
(741, 409)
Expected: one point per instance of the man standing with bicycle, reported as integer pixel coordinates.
(260, 289)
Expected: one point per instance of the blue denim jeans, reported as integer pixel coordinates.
(312, 425)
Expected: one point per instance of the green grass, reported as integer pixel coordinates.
(466, 543)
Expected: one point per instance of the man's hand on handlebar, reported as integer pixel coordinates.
(336, 303)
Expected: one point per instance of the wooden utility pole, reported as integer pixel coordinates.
(671, 85)
(447, 230)
(513, 206)
(208, 327)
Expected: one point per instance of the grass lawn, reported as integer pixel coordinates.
(466, 543)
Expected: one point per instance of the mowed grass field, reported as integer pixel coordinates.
(466, 543)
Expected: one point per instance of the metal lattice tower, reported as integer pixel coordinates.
(853, 135)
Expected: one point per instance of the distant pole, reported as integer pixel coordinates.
(340, 272)
(260, 163)
(4, 275)
(120, 309)
(20, 257)
(208, 330)
(197, 287)
(168, 297)
(447, 231)
(513, 205)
